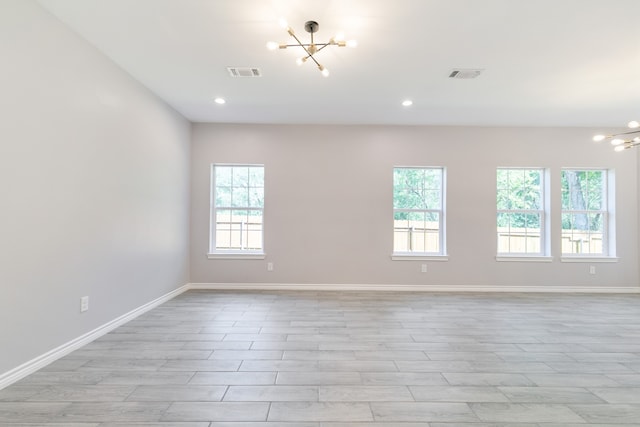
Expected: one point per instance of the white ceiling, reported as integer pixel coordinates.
(546, 62)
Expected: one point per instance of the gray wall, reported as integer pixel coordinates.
(339, 179)
(94, 185)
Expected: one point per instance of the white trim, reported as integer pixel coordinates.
(236, 256)
(213, 208)
(417, 257)
(43, 360)
(414, 288)
(589, 259)
(442, 239)
(512, 258)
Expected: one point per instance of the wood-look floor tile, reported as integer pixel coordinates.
(234, 378)
(174, 393)
(457, 394)
(422, 411)
(278, 393)
(365, 394)
(319, 411)
(525, 412)
(216, 411)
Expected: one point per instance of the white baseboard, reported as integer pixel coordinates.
(415, 288)
(41, 361)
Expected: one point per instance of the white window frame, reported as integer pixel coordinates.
(608, 241)
(543, 255)
(416, 255)
(214, 252)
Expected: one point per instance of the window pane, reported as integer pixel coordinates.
(238, 187)
(575, 190)
(401, 235)
(417, 188)
(223, 176)
(565, 191)
(532, 198)
(504, 202)
(433, 179)
(417, 191)
(240, 198)
(256, 197)
(223, 229)
(503, 220)
(240, 176)
(533, 222)
(223, 197)
(416, 232)
(256, 176)
(520, 200)
(432, 199)
(595, 187)
(584, 212)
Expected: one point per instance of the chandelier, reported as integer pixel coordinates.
(311, 48)
(624, 140)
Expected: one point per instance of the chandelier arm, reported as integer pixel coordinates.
(309, 55)
(323, 45)
(624, 133)
(313, 59)
(299, 42)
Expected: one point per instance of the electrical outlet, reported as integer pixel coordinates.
(424, 268)
(592, 269)
(269, 266)
(84, 304)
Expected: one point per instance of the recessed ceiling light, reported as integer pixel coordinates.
(407, 103)
(219, 101)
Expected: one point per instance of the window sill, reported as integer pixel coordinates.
(587, 258)
(520, 258)
(418, 257)
(246, 256)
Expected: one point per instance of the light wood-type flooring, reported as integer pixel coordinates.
(350, 359)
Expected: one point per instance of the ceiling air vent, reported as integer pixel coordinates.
(465, 73)
(244, 72)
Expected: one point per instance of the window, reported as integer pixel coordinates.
(418, 211)
(584, 212)
(521, 212)
(237, 209)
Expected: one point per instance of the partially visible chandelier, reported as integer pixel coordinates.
(311, 48)
(624, 140)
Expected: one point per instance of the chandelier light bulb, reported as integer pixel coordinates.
(219, 101)
(339, 36)
(352, 43)
(272, 45)
(324, 71)
(617, 141)
(633, 124)
(301, 61)
(599, 138)
(619, 148)
(407, 103)
(283, 23)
